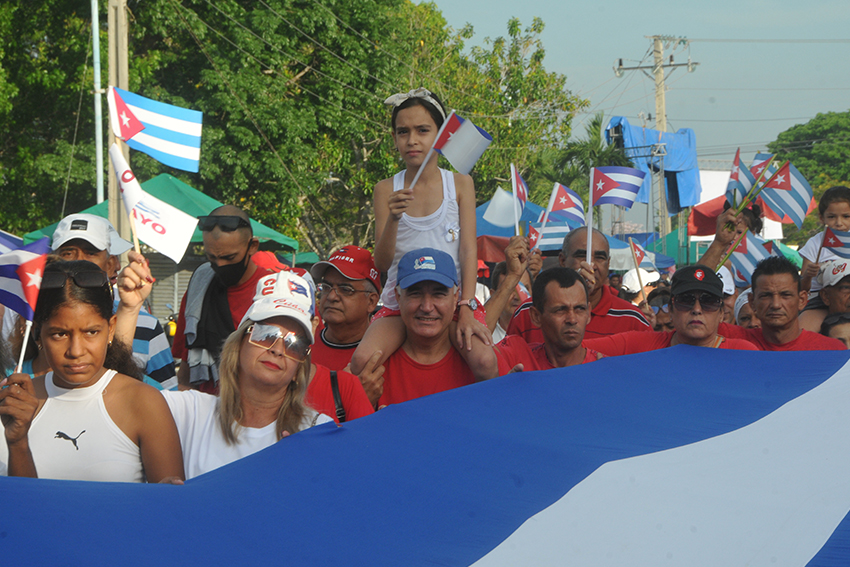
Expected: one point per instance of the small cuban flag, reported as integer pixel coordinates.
(567, 203)
(788, 193)
(615, 185)
(837, 241)
(168, 133)
(760, 162)
(461, 142)
(741, 181)
(749, 252)
(549, 237)
(21, 271)
(520, 188)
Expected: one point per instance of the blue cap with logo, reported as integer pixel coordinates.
(426, 265)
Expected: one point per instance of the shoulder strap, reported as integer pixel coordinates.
(340, 411)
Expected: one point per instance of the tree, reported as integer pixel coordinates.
(820, 149)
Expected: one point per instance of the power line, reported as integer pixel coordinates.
(290, 80)
(763, 89)
(825, 41)
(379, 48)
(743, 119)
(318, 44)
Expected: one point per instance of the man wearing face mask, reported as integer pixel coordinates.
(219, 294)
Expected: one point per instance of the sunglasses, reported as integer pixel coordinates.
(225, 223)
(295, 346)
(343, 290)
(686, 301)
(87, 279)
(665, 307)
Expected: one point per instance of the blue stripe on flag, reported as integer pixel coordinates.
(160, 107)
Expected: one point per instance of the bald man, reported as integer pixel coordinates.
(219, 294)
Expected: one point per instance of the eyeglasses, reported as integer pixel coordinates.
(665, 307)
(686, 301)
(225, 223)
(343, 290)
(295, 346)
(87, 279)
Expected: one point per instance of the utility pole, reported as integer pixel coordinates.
(119, 72)
(658, 77)
(98, 109)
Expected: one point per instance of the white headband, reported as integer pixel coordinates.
(423, 93)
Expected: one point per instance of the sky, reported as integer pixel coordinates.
(741, 94)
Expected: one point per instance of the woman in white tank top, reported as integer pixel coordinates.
(83, 421)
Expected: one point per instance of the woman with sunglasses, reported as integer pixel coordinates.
(83, 420)
(263, 377)
(697, 310)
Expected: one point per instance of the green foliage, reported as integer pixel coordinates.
(295, 129)
(820, 149)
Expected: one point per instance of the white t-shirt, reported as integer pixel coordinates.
(809, 251)
(204, 447)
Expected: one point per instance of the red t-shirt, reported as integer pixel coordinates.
(320, 396)
(806, 341)
(638, 341)
(405, 379)
(239, 298)
(334, 356)
(513, 350)
(612, 315)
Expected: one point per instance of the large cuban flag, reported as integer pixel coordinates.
(728, 458)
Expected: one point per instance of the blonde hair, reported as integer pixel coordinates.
(292, 410)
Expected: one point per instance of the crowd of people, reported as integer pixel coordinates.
(265, 351)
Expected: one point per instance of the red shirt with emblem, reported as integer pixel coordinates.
(806, 341)
(612, 315)
(320, 396)
(513, 350)
(405, 379)
(636, 341)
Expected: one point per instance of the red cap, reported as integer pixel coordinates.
(353, 262)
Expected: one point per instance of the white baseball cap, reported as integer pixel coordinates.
(832, 272)
(95, 230)
(727, 279)
(630, 280)
(284, 295)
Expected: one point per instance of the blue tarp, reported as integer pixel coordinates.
(680, 163)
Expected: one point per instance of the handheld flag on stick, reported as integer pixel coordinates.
(761, 166)
(748, 253)
(520, 193)
(459, 141)
(788, 193)
(550, 237)
(837, 241)
(169, 134)
(637, 260)
(640, 256)
(611, 185)
(161, 226)
(741, 181)
(565, 202)
(21, 271)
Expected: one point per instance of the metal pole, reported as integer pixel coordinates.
(98, 110)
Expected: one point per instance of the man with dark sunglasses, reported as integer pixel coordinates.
(697, 309)
(219, 294)
(777, 298)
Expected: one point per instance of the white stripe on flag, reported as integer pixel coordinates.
(166, 122)
(704, 504)
(167, 147)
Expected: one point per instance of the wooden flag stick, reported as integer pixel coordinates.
(823, 240)
(19, 368)
(731, 249)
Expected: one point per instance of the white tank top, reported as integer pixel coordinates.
(73, 437)
(440, 230)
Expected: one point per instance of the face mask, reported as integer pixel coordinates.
(230, 274)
